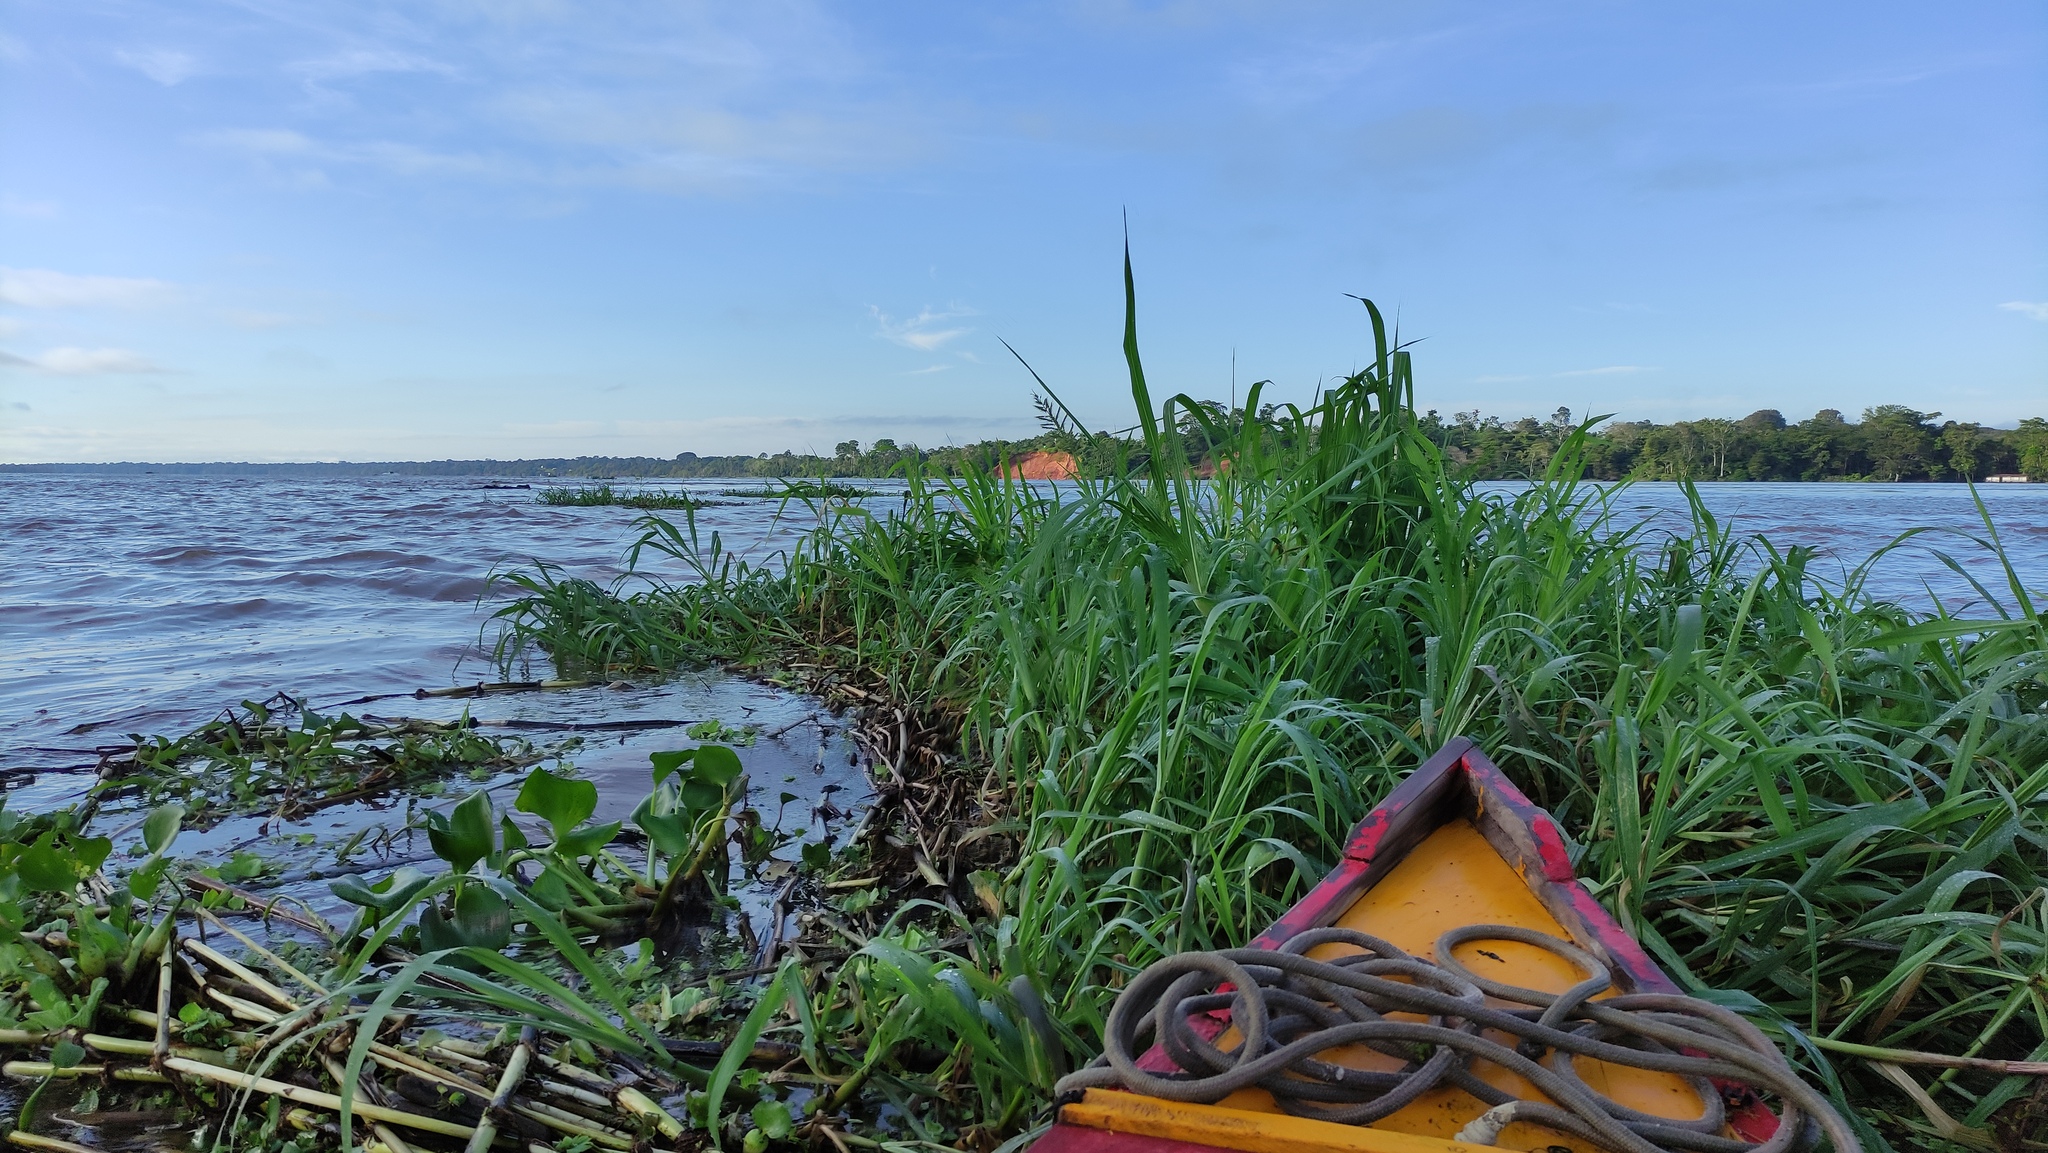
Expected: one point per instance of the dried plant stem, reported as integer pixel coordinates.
(319, 1100)
(515, 1071)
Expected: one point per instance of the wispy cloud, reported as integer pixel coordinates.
(928, 369)
(42, 288)
(298, 155)
(246, 318)
(82, 362)
(167, 66)
(1609, 370)
(28, 209)
(925, 332)
(2038, 309)
(318, 73)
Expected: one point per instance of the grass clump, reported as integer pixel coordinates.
(1166, 700)
(802, 490)
(592, 496)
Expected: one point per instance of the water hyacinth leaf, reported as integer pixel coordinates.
(481, 919)
(511, 836)
(142, 882)
(668, 762)
(817, 856)
(463, 837)
(562, 802)
(388, 895)
(89, 853)
(702, 796)
(46, 870)
(717, 765)
(587, 841)
(66, 1054)
(671, 833)
(160, 828)
(550, 891)
(773, 1119)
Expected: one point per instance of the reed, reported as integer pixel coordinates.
(1173, 697)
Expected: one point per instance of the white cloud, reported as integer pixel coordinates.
(83, 362)
(928, 369)
(2038, 309)
(923, 332)
(9, 326)
(42, 288)
(166, 66)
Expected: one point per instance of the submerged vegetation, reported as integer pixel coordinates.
(1154, 705)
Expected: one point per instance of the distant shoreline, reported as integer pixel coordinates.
(484, 470)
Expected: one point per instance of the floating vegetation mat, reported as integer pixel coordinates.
(603, 494)
(802, 490)
(279, 757)
(555, 982)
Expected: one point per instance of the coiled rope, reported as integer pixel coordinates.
(1288, 1008)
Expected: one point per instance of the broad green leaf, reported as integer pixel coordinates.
(669, 762)
(463, 837)
(772, 1118)
(702, 796)
(45, 869)
(672, 833)
(586, 842)
(160, 828)
(510, 835)
(388, 895)
(717, 765)
(562, 802)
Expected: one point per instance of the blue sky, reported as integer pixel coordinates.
(272, 230)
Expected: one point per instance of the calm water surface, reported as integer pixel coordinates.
(144, 604)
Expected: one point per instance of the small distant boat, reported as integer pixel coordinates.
(1456, 844)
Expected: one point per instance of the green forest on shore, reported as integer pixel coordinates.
(1888, 443)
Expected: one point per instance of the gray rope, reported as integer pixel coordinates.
(1288, 1009)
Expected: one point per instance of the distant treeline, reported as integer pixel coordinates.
(1889, 443)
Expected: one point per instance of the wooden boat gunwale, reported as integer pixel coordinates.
(1458, 782)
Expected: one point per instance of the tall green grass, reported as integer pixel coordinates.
(1828, 808)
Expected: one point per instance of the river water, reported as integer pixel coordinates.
(146, 603)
